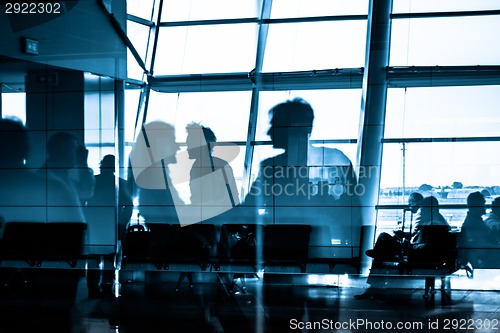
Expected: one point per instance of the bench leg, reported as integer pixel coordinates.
(445, 290)
(429, 287)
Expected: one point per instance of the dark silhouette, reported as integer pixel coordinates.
(430, 242)
(67, 162)
(212, 184)
(389, 247)
(475, 236)
(105, 192)
(27, 203)
(154, 149)
(284, 190)
(24, 195)
(493, 219)
(107, 218)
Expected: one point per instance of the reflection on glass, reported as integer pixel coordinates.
(443, 112)
(207, 10)
(445, 41)
(317, 45)
(206, 49)
(310, 8)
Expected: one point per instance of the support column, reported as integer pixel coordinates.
(372, 118)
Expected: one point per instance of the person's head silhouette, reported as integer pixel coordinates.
(495, 206)
(107, 164)
(414, 201)
(476, 203)
(14, 143)
(200, 140)
(290, 121)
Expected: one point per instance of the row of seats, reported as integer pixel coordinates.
(37, 242)
(206, 244)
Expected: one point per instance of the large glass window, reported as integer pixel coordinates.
(209, 10)
(440, 112)
(206, 49)
(311, 8)
(445, 41)
(14, 105)
(422, 6)
(224, 112)
(315, 45)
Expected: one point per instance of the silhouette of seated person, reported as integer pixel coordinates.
(493, 218)
(475, 237)
(105, 192)
(284, 191)
(212, 184)
(25, 196)
(154, 150)
(390, 247)
(430, 242)
(67, 162)
(426, 239)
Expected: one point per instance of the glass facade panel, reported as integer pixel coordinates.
(138, 35)
(422, 6)
(317, 45)
(208, 10)
(206, 49)
(336, 112)
(310, 8)
(14, 105)
(226, 113)
(448, 170)
(439, 112)
(445, 41)
(142, 9)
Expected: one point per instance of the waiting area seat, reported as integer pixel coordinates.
(426, 262)
(236, 249)
(37, 242)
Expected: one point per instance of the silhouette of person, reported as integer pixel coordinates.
(475, 236)
(493, 218)
(67, 162)
(28, 197)
(212, 184)
(105, 191)
(107, 220)
(429, 241)
(283, 190)
(154, 150)
(25, 195)
(388, 247)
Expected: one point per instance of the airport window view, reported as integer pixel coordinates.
(319, 135)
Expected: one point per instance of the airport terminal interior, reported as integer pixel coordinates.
(250, 166)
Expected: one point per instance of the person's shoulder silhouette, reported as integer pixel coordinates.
(212, 183)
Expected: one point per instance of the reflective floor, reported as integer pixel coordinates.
(270, 303)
